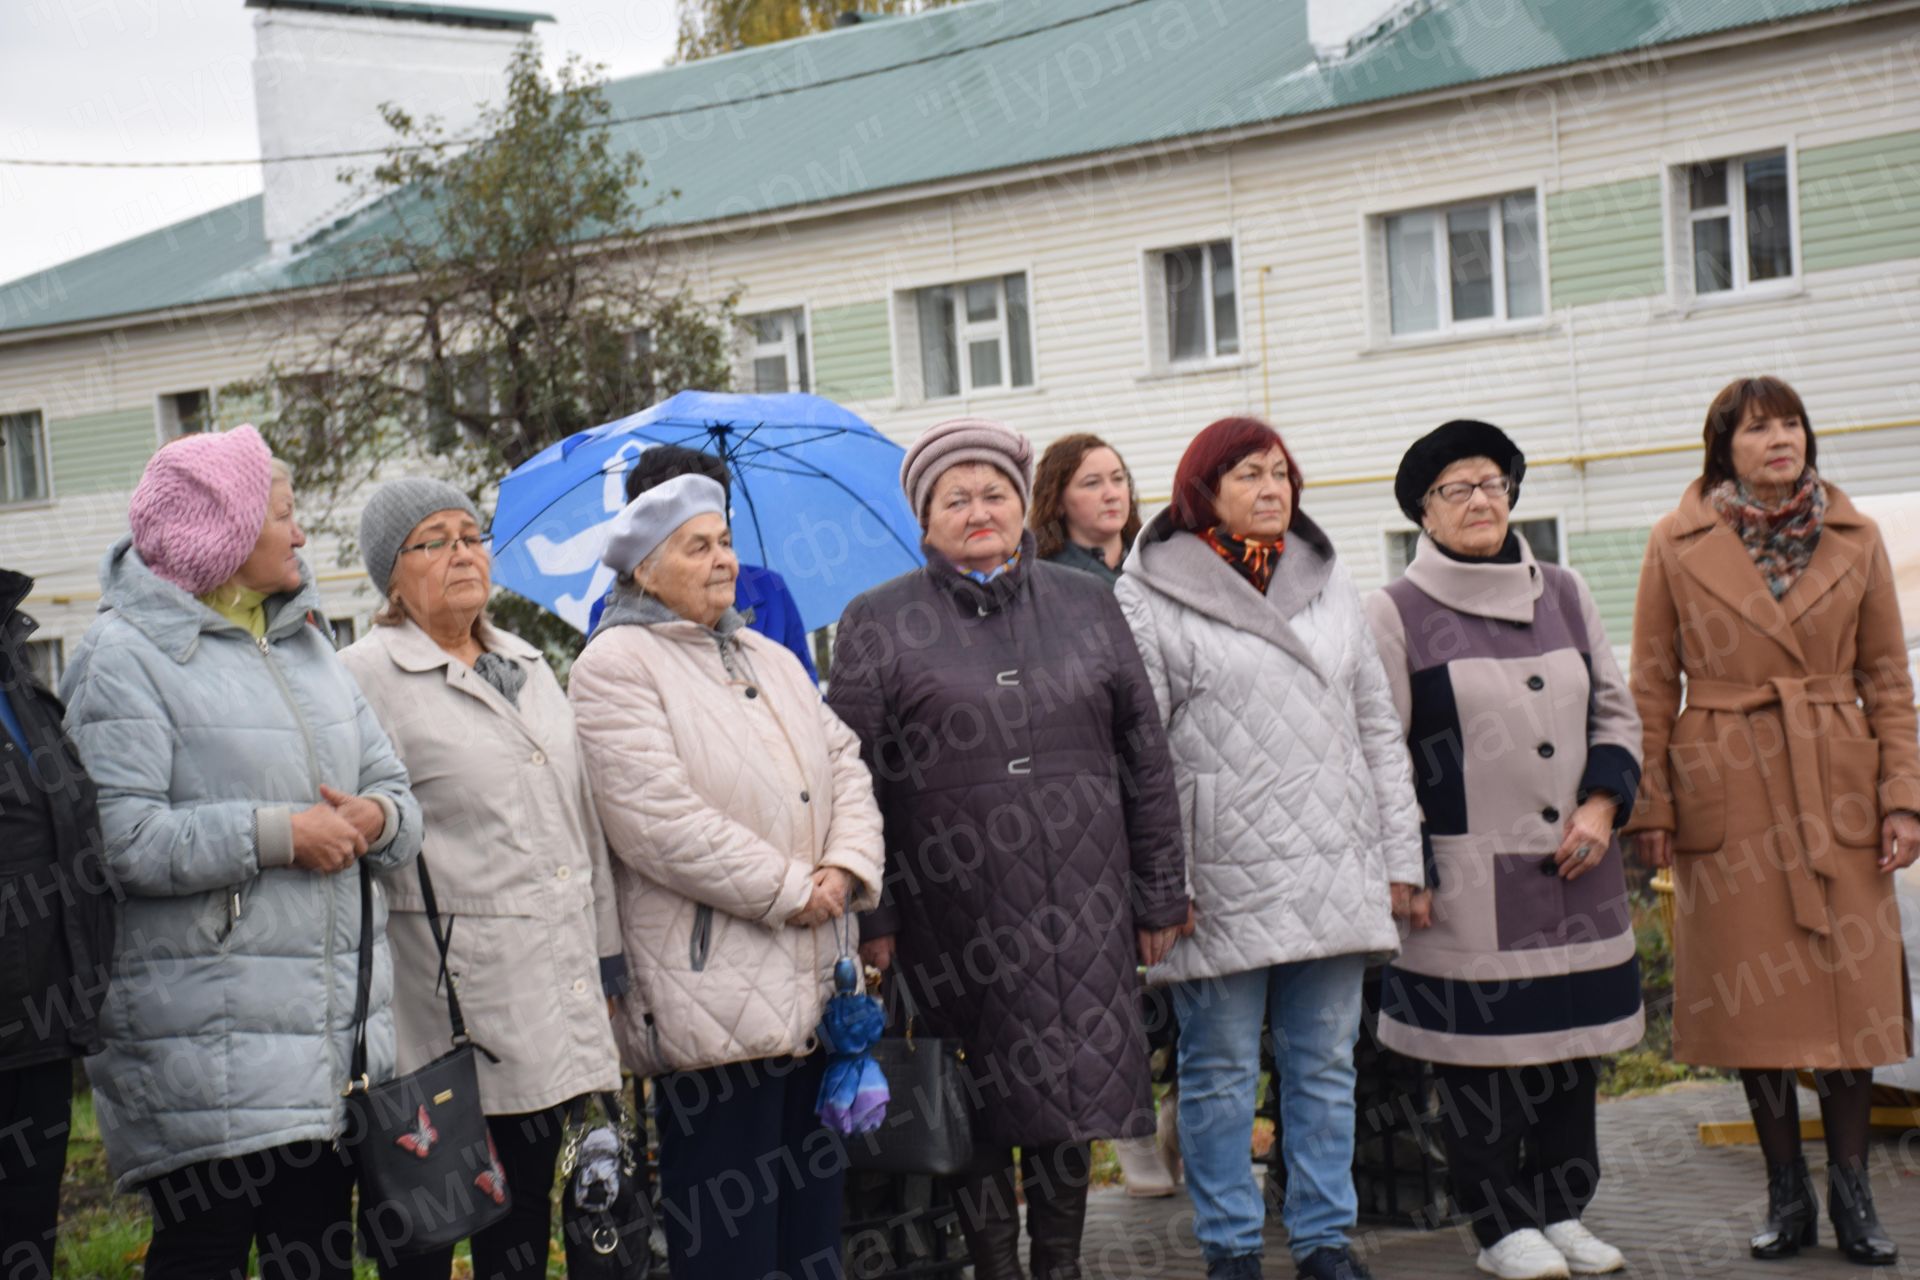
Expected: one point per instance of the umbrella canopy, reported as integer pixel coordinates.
(816, 498)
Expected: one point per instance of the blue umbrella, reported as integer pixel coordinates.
(816, 498)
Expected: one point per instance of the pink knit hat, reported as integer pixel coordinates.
(947, 444)
(199, 507)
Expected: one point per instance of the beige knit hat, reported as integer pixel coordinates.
(947, 444)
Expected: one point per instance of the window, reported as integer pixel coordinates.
(48, 658)
(1200, 302)
(774, 352)
(1739, 222)
(1463, 267)
(1542, 535)
(974, 336)
(467, 388)
(23, 458)
(185, 413)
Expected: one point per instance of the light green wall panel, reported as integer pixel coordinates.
(852, 356)
(1860, 202)
(1604, 242)
(1610, 562)
(102, 451)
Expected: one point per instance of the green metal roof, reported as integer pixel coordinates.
(964, 90)
(449, 14)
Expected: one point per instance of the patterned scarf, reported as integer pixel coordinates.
(1780, 539)
(1253, 559)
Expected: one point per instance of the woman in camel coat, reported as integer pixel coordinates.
(1783, 795)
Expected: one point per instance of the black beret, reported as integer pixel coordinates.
(1447, 444)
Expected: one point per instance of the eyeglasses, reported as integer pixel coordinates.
(1497, 489)
(437, 547)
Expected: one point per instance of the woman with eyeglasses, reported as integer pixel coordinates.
(514, 850)
(1518, 969)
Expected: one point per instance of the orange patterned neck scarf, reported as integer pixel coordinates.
(1252, 558)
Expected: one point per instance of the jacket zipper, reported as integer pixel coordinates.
(313, 775)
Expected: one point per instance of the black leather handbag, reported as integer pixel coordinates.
(929, 1124)
(419, 1145)
(606, 1216)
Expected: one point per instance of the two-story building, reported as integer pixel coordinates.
(1355, 219)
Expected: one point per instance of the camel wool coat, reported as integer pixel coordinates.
(1796, 739)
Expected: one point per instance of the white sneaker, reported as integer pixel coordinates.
(1586, 1253)
(1524, 1255)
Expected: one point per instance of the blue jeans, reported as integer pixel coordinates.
(1313, 1008)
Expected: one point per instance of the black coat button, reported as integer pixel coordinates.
(752, 692)
(805, 798)
(1550, 813)
(1535, 683)
(1546, 751)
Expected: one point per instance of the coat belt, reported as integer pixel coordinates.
(1798, 799)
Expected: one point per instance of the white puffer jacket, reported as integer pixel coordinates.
(1290, 758)
(723, 783)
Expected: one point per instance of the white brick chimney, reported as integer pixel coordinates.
(322, 68)
(1334, 25)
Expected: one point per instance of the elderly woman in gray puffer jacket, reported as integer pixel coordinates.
(241, 777)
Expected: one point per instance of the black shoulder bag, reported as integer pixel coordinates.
(606, 1215)
(929, 1124)
(426, 1166)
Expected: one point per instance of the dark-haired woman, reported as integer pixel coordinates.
(1303, 834)
(1784, 796)
(1085, 513)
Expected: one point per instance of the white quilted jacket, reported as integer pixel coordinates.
(723, 782)
(1291, 761)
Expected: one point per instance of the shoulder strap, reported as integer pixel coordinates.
(363, 984)
(442, 940)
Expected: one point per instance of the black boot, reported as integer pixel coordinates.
(1331, 1264)
(1056, 1218)
(1793, 1214)
(1244, 1267)
(1856, 1227)
(1055, 1179)
(989, 1213)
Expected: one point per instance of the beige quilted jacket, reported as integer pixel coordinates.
(723, 782)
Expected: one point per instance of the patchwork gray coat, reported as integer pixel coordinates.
(1515, 711)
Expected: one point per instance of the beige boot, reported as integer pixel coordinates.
(1140, 1167)
(1169, 1136)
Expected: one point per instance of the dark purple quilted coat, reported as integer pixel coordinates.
(1032, 825)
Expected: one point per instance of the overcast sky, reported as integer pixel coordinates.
(171, 80)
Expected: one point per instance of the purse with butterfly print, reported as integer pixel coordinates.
(421, 1153)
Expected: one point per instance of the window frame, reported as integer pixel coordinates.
(1677, 193)
(166, 414)
(903, 332)
(746, 344)
(1379, 273)
(1157, 331)
(58, 646)
(1400, 529)
(48, 494)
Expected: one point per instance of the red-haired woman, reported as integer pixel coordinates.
(1085, 514)
(1303, 837)
(1784, 796)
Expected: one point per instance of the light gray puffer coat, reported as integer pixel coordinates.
(229, 1022)
(1289, 755)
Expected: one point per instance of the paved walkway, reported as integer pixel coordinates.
(1677, 1209)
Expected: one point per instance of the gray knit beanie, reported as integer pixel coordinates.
(391, 513)
(947, 444)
